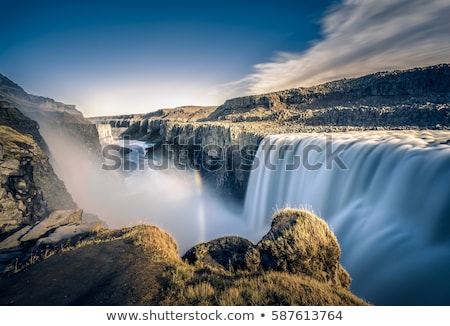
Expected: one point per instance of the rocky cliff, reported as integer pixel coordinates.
(119, 124)
(226, 135)
(136, 125)
(30, 188)
(381, 99)
(36, 210)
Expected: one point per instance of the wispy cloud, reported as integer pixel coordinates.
(360, 37)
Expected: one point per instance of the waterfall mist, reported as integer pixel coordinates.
(387, 199)
(172, 199)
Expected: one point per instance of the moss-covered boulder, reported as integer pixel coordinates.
(300, 242)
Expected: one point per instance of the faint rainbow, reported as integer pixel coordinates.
(201, 206)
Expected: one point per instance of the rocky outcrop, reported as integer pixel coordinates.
(231, 253)
(35, 241)
(56, 227)
(29, 188)
(141, 266)
(298, 243)
(12, 117)
(21, 201)
(26, 142)
(54, 220)
(36, 210)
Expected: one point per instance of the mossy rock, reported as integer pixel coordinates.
(300, 242)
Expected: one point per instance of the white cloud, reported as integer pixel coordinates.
(361, 37)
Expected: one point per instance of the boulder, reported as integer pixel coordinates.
(231, 253)
(13, 240)
(88, 223)
(300, 242)
(55, 220)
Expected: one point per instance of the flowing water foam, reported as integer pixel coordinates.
(389, 205)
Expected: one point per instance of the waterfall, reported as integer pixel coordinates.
(104, 133)
(384, 194)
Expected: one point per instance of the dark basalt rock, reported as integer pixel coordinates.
(29, 187)
(231, 253)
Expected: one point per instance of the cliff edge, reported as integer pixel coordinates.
(141, 266)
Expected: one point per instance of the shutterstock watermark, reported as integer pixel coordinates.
(130, 156)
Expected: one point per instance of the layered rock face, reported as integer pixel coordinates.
(30, 188)
(222, 153)
(21, 200)
(416, 97)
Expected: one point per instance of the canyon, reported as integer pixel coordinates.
(54, 209)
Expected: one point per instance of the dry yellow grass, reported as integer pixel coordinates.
(15, 144)
(214, 287)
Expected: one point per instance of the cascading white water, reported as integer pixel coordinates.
(104, 133)
(385, 195)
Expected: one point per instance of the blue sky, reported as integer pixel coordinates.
(113, 57)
